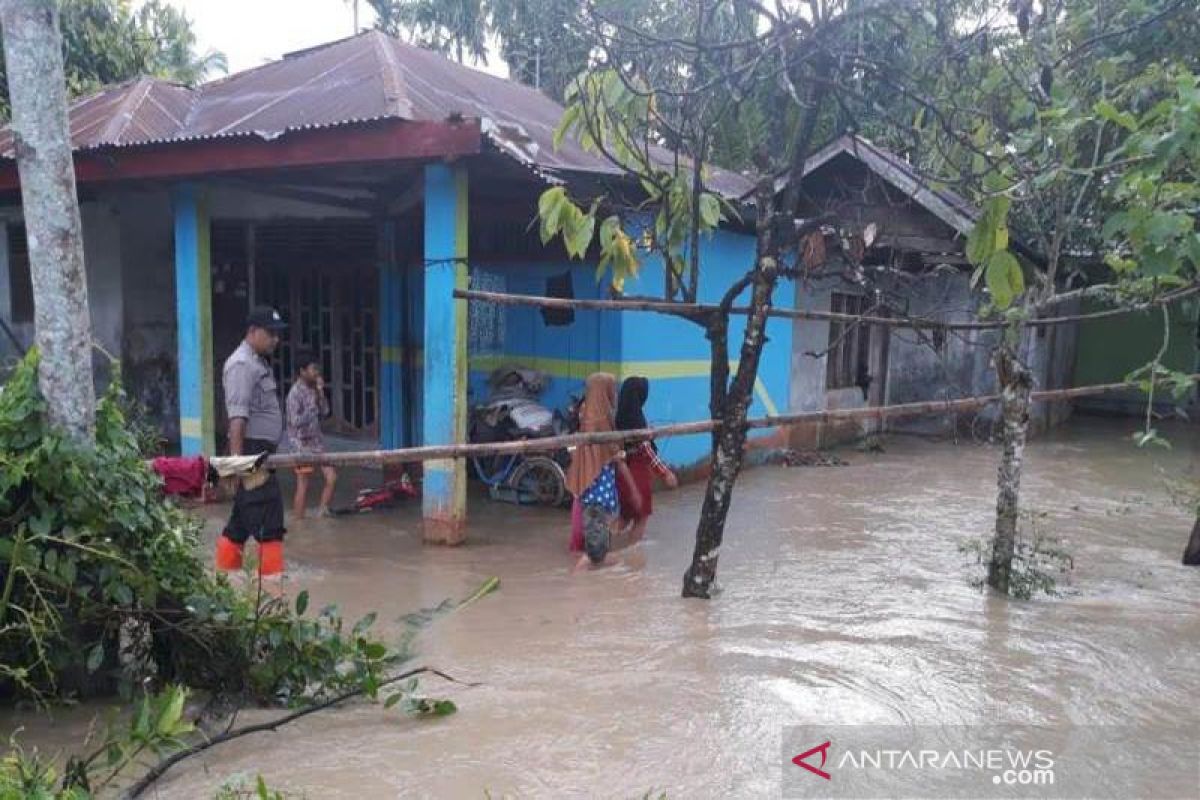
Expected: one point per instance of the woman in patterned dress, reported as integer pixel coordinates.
(592, 476)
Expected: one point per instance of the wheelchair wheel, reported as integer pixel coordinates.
(542, 479)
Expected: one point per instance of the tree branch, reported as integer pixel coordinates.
(161, 768)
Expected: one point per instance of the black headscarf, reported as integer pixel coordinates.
(634, 392)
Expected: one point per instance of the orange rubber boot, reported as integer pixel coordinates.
(229, 554)
(270, 558)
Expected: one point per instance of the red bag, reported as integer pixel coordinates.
(182, 477)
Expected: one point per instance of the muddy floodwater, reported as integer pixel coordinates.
(845, 601)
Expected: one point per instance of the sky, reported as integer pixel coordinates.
(252, 32)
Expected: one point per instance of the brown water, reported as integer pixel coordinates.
(845, 602)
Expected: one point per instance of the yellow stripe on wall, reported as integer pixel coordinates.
(579, 369)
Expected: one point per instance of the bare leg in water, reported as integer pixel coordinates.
(300, 500)
(330, 475)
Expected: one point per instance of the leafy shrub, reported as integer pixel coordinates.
(102, 584)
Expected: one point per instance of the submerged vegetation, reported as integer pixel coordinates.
(1041, 563)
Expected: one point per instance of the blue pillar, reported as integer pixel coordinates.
(445, 357)
(391, 340)
(193, 314)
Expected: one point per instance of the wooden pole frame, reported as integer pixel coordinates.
(698, 311)
(370, 458)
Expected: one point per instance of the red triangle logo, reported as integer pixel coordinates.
(800, 762)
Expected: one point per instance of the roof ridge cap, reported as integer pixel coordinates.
(122, 118)
(395, 99)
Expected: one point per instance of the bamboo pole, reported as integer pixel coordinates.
(699, 310)
(368, 458)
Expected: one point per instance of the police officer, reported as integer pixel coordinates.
(255, 426)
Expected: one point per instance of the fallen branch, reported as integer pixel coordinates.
(161, 768)
(553, 443)
(699, 310)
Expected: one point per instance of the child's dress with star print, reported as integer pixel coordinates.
(603, 491)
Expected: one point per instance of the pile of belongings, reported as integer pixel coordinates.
(189, 476)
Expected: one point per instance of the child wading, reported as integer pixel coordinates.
(306, 405)
(636, 492)
(592, 476)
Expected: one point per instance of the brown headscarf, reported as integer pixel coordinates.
(596, 414)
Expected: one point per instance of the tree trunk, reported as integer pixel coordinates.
(1015, 386)
(37, 89)
(1191, 553)
(730, 438)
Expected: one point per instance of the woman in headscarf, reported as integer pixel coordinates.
(642, 458)
(592, 475)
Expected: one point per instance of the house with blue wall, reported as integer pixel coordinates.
(355, 186)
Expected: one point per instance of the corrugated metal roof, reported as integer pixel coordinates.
(366, 77)
(946, 204)
(137, 111)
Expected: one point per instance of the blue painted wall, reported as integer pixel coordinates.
(673, 353)
(520, 336)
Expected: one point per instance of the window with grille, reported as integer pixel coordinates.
(847, 361)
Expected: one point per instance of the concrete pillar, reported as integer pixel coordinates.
(445, 358)
(193, 314)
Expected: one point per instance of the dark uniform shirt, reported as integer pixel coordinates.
(251, 393)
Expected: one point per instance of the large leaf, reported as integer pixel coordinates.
(577, 233)
(569, 118)
(1106, 110)
(170, 714)
(95, 657)
(710, 210)
(1004, 278)
(990, 233)
(550, 199)
(608, 230)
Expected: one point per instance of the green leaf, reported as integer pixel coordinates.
(393, 699)
(1118, 264)
(427, 707)
(95, 657)
(710, 211)
(550, 200)
(122, 593)
(1004, 278)
(609, 229)
(170, 715)
(569, 118)
(1106, 110)
(1117, 223)
(578, 234)
(1163, 227)
(990, 233)
(1192, 247)
(41, 524)
(67, 570)
(301, 603)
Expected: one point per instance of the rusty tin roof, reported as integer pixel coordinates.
(370, 76)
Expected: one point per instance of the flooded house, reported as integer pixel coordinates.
(356, 184)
